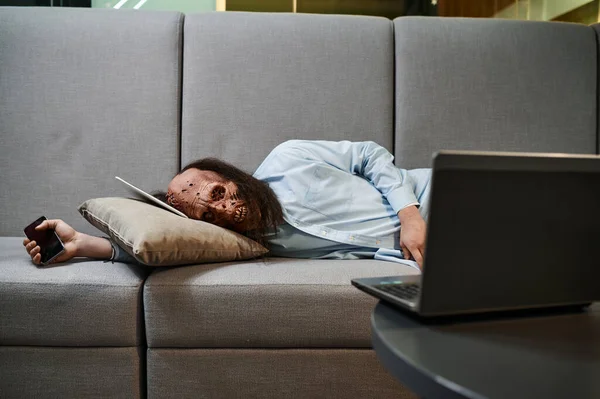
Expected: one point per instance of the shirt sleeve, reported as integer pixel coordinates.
(120, 255)
(366, 159)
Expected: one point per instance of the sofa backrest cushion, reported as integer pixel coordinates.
(478, 84)
(84, 95)
(254, 80)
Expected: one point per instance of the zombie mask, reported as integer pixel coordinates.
(207, 196)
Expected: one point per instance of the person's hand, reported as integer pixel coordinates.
(67, 235)
(413, 231)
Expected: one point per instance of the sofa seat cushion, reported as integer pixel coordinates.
(79, 303)
(275, 302)
(270, 373)
(55, 372)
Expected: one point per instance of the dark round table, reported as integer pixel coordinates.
(549, 355)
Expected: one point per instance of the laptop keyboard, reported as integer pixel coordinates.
(408, 292)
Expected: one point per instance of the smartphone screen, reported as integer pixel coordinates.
(50, 244)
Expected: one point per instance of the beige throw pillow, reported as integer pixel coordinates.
(157, 237)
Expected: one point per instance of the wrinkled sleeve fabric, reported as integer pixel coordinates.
(366, 159)
(120, 255)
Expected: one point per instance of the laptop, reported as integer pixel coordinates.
(506, 231)
(144, 195)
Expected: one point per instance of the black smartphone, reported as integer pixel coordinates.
(50, 245)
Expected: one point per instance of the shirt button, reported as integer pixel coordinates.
(351, 238)
(377, 242)
(324, 232)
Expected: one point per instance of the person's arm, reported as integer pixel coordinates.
(374, 163)
(104, 249)
(94, 247)
(77, 245)
(367, 159)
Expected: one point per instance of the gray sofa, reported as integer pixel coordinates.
(89, 94)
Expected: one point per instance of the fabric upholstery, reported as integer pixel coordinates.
(276, 302)
(270, 373)
(82, 303)
(33, 372)
(476, 84)
(82, 94)
(157, 237)
(254, 80)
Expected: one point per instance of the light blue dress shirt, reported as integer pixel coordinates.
(340, 199)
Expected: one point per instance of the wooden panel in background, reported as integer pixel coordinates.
(260, 5)
(587, 14)
(384, 8)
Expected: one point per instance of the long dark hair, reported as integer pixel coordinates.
(256, 193)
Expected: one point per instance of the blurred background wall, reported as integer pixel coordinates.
(579, 11)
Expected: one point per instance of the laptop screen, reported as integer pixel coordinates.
(512, 238)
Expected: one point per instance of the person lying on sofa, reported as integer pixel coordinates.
(308, 199)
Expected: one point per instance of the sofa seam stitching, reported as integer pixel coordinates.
(244, 285)
(71, 284)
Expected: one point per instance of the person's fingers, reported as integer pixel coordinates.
(406, 252)
(416, 252)
(35, 251)
(37, 259)
(61, 258)
(26, 241)
(48, 224)
(42, 226)
(30, 246)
